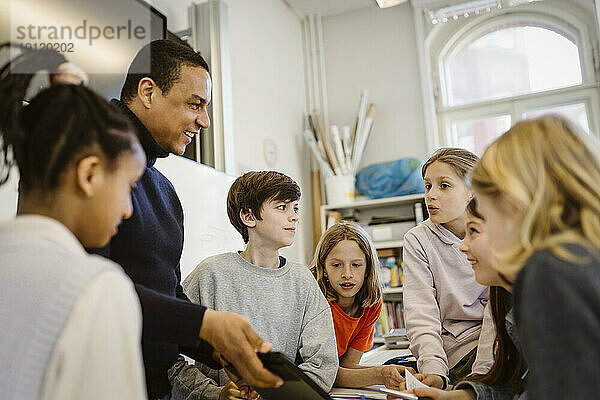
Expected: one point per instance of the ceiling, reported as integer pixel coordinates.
(330, 7)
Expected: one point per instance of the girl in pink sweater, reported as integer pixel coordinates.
(443, 302)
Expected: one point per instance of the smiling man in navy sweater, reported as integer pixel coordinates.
(167, 107)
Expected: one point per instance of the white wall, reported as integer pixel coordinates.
(367, 48)
(376, 49)
(267, 74)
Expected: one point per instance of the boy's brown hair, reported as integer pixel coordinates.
(249, 192)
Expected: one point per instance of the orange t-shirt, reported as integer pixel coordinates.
(354, 332)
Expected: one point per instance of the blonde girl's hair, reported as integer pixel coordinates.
(370, 292)
(551, 172)
(460, 160)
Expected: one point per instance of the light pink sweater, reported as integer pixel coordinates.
(443, 303)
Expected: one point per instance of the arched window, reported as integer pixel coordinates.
(495, 70)
(511, 59)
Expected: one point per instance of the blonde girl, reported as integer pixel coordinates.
(505, 379)
(443, 302)
(538, 188)
(345, 266)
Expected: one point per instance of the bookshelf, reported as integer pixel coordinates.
(397, 210)
(365, 207)
(389, 244)
(392, 290)
(388, 240)
(369, 203)
(378, 340)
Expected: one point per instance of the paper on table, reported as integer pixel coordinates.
(411, 381)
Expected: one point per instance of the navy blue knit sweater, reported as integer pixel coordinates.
(148, 246)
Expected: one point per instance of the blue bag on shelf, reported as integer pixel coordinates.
(394, 178)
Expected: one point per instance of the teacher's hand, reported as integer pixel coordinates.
(233, 337)
(392, 376)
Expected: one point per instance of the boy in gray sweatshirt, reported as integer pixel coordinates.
(279, 298)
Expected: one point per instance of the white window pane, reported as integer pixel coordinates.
(476, 134)
(513, 3)
(510, 60)
(575, 112)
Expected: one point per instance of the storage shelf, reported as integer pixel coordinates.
(365, 208)
(373, 202)
(390, 244)
(393, 290)
(378, 340)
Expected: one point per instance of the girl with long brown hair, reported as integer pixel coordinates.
(345, 266)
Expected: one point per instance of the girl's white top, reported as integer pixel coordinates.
(71, 321)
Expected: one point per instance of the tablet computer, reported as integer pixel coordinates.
(296, 384)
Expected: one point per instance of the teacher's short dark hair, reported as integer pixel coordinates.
(166, 59)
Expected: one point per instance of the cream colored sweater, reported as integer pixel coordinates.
(443, 303)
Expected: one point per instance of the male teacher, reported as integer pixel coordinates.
(167, 106)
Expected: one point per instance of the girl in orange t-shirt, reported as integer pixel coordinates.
(345, 265)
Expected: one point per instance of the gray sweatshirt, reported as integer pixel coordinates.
(443, 302)
(285, 306)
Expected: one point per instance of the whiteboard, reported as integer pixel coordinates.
(9, 195)
(203, 194)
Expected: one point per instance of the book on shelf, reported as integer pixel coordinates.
(390, 271)
(389, 220)
(382, 253)
(396, 339)
(382, 326)
(333, 217)
(392, 313)
(391, 317)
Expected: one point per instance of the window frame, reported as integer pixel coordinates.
(445, 39)
(469, 33)
(516, 106)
